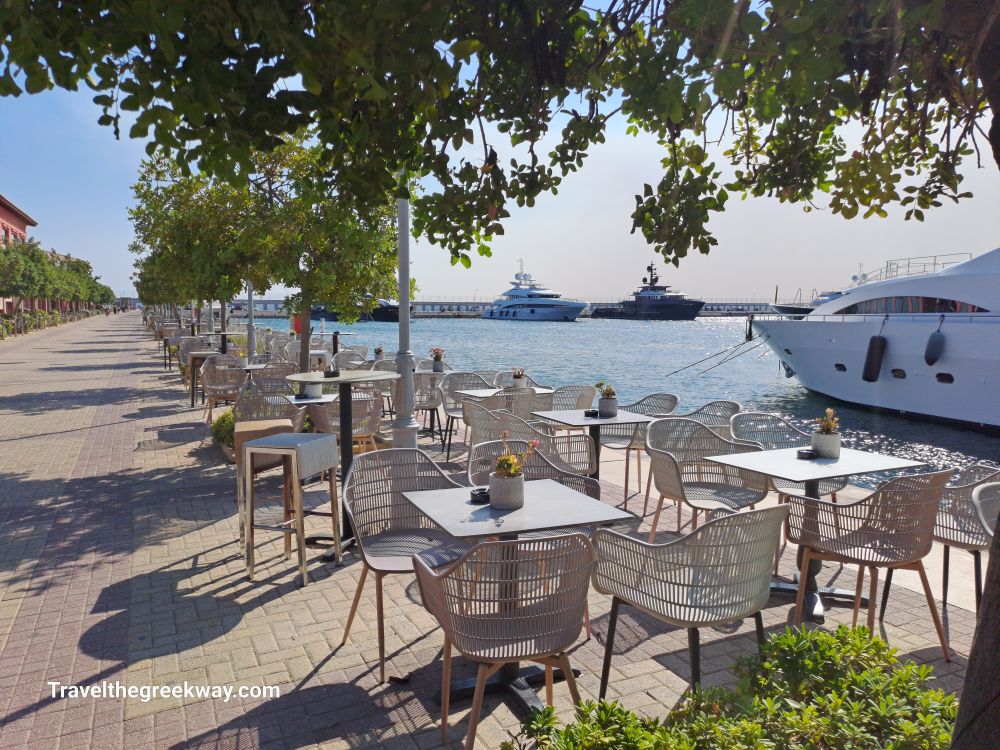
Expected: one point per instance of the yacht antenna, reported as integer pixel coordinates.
(520, 262)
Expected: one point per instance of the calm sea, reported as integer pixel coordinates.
(638, 358)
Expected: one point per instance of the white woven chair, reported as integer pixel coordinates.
(348, 359)
(292, 349)
(891, 528)
(509, 601)
(266, 359)
(366, 416)
(986, 498)
(488, 375)
(361, 351)
(569, 397)
(389, 529)
(481, 424)
(428, 364)
(386, 387)
(518, 401)
(573, 450)
(633, 437)
(451, 401)
(427, 397)
(483, 459)
(718, 574)
(505, 379)
(222, 378)
(677, 448)
(715, 414)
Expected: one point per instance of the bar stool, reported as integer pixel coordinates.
(303, 455)
(243, 432)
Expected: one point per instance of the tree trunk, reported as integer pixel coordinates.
(306, 334)
(978, 723)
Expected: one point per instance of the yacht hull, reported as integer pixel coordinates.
(827, 354)
(555, 313)
(680, 310)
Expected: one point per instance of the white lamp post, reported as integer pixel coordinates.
(404, 428)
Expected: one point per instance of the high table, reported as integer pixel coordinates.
(195, 361)
(548, 505)
(314, 381)
(576, 418)
(335, 341)
(783, 463)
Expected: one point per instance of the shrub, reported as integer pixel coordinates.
(223, 428)
(810, 689)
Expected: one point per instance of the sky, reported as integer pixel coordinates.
(74, 178)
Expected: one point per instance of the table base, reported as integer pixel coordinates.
(813, 608)
(518, 684)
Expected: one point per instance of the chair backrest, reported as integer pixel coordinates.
(265, 359)
(505, 379)
(715, 414)
(653, 405)
(483, 424)
(512, 599)
(519, 401)
(685, 439)
(767, 430)
(361, 351)
(366, 414)
(459, 381)
(222, 371)
(958, 521)
(573, 397)
(188, 345)
(292, 349)
(488, 375)
(266, 400)
(426, 390)
(373, 490)
(716, 574)
(986, 498)
(428, 364)
(278, 369)
(347, 359)
(483, 460)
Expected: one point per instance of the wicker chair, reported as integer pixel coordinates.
(958, 524)
(891, 528)
(292, 349)
(452, 401)
(677, 448)
(573, 450)
(715, 414)
(633, 437)
(986, 498)
(185, 347)
(278, 370)
(222, 378)
(360, 350)
(530, 609)
(488, 375)
(427, 397)
(505, 379)
(366, 416)
(573, 397)
(481, 424)
(717, 574)
(266, 359)
(428, 364)
(388, 528)
(518, 401)
(348, 359)
(264, 399)
(483, 459)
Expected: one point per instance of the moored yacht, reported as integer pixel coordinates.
(529, 300)
(652, 301)
(907, 341)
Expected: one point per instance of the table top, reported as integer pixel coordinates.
(252, 368)
(547, 505)
(784, 464)
(487, 392)
(346, 376)
(575, 418)
(326, 398)
(202, 354)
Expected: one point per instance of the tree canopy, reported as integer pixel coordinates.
(27, 271)
(859, 103)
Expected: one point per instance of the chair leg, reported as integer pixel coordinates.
(445, 688)
(381, 627)
(354, 604)
(286, 499)
(248, 517)
(451, 431)
(977, 562)
(872, 596)
(944, 576)
(627, 457)
(758, 623)
(586, 620)
(609, 646)
(933, 609)
(656, 520)
(694, 655)
(649, 484)
(800, 595)
(567, 670)
(885, 592)
(298, 519)
(857, 595)
(638, 470)
(548, 685)
(477, 706)
(338, 550)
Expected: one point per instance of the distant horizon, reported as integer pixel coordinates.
(74, 178)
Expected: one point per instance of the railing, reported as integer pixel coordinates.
(917, 266)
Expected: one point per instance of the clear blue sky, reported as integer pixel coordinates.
(74, 178)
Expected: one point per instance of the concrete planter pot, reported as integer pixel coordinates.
(506, 493)
(607, 407)
(437, 365)
(826, 446)
(519, 383)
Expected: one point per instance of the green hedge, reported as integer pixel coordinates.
(223, 428)
(812, 690)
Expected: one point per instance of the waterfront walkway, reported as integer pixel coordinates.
(119, 563)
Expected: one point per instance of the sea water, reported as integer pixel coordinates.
(641, 357)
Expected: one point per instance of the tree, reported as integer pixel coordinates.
(25, 271)
(410, 85)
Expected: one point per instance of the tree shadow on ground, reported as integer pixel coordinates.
(47, 402)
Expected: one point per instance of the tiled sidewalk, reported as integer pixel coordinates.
(119, 562)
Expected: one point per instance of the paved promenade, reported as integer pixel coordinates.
(119, 563)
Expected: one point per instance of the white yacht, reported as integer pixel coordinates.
(529, 300)
(920, 337)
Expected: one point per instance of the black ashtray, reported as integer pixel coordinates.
(480, 495)
(331, 373)
(301, 396)
(590, 412)
(806, 454)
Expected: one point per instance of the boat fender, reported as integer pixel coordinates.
(935, 345)
(874, 357)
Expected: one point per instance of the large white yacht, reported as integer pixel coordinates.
(909, 339)
(529, 300)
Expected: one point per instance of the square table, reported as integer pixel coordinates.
(576, 418)
(548, 505)
(784, 463)
(487, 392)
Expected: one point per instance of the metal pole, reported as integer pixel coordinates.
(251, 333)
(404, 427)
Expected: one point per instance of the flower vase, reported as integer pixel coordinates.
(826, 446)
(437, 365)
(506, 493)
(607, 407)
(519, 382)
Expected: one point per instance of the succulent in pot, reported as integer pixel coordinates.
(437, 357)
(507, 479)
(826, 438)
(607, 404)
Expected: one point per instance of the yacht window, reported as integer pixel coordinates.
(840, 367)
(899, 374)
(910, 305)
(788, 352)
(945, 377)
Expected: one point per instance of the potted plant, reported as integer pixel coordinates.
(379, 354)
(519, 378)
(507, 481)
(607, 404)
(826, 439)
(437, 355)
